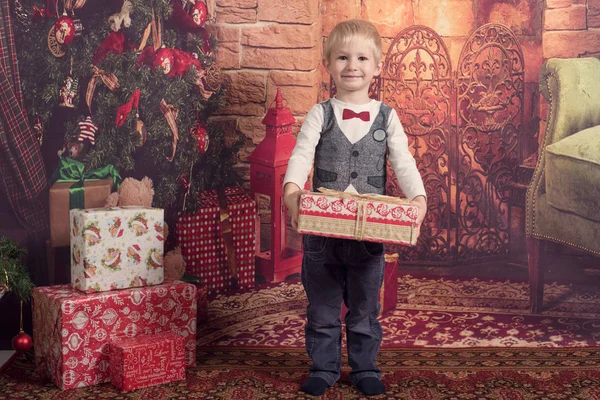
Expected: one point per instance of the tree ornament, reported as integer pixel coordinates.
(64, 30)
(38, 130)
(14, 278)
(214, 78)
(22, 342)
(164, 59)
(57, 49)
(87, 130)
(141, 132)
(171, 113)
(199, 131)
(184, 21)
(38, 14)
(124, 109)
(199, 13)
(115, 42)
(68, 92)
(122, 18)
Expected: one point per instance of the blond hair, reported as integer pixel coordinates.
(348, 30)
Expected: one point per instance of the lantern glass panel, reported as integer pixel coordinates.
(264, 213)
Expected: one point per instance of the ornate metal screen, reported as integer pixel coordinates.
(489, 109)
(463, 128)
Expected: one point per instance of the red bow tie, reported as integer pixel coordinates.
(349, 114)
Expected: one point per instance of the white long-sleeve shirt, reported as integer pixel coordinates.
(402, 161)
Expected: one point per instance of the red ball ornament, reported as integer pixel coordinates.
(199, 13)
(64, 30)
(164, 58)
(22, 342)
(202, 136)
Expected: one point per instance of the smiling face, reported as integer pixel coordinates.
(352, 65)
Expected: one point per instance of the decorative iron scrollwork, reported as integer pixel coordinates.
(489, 108)
(464, 131)
(417, 83)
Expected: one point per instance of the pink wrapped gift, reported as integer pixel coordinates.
(370, 217)
(147, 361)
(72, 329)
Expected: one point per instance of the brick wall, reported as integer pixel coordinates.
(265, 44)
(571, 28)
(270, 43)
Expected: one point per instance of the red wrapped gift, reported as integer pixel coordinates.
(388, 294)
(72, 329)
(147, 361)
(204, 247)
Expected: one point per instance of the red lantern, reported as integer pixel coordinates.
(278, 250)
(64, 30)
(199, 13)
(202, 136)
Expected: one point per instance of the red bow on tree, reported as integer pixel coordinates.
(349, 114)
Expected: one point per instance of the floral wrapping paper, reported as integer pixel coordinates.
(202, 245)
(147, 361)
(374, 218)
(72, 329)
(116, 248)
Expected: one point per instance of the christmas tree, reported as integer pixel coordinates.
(127, 83)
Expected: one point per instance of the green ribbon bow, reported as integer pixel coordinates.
(70, 170)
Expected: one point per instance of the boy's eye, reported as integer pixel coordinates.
(342, 58)
(362, 58)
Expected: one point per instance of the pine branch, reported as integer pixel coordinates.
(13, 275)
(42, 76)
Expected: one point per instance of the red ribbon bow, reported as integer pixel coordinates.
(349, 114)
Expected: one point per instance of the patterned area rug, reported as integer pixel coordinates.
(245, 373)
(447, 339)
(431, 312)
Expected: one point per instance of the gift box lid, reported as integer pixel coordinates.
(233, 195)
(124, 208)
(64, 294)
(144, 340)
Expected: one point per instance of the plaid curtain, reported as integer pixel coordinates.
(21, 166)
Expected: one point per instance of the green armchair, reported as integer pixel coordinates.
(563, 198)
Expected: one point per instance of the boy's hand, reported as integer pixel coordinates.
(421, 204)
(291, 198)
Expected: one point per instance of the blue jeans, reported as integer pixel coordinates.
(334, 270)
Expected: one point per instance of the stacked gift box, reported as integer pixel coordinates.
(203, 239)
(117, 306)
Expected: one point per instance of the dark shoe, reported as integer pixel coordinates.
(370, 386)
(314, 386)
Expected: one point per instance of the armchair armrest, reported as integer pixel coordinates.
(572, 88)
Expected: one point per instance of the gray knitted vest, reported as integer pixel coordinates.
(339, 163)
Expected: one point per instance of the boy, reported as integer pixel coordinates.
(348, 138)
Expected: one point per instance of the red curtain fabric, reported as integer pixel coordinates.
(21, 165)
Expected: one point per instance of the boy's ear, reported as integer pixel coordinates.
(379, 68)
(326, 64)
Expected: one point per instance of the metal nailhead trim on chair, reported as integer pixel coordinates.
(531, 226)
(536, 274)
